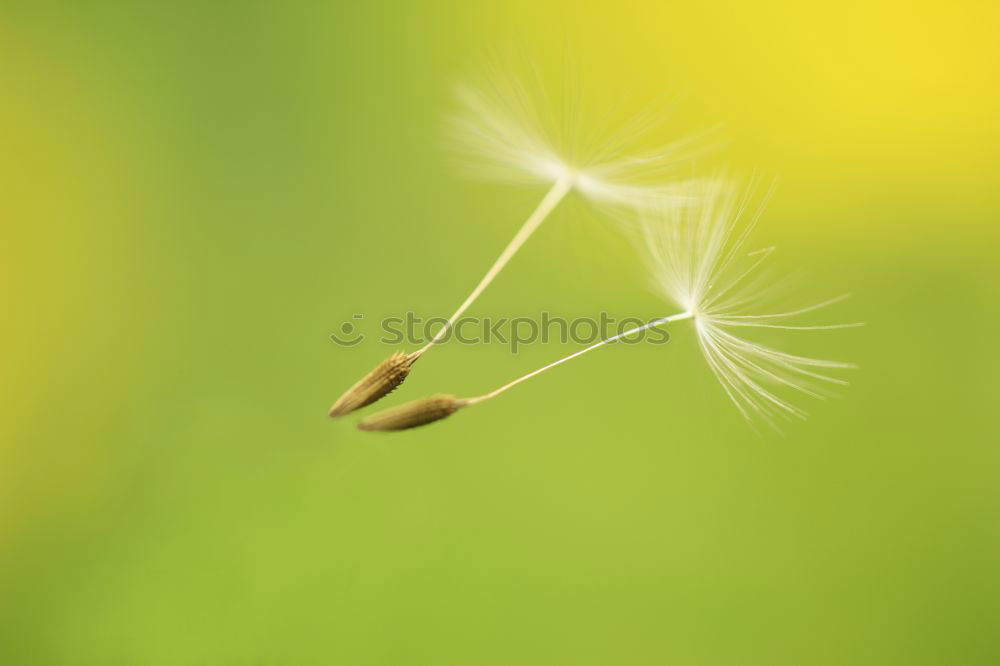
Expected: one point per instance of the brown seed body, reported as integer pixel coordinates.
(413, 414)
(377, 384)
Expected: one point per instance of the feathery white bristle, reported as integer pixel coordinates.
(698, 261)
(505, 132)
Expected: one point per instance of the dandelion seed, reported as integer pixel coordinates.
(377, 384)
(500, 126)
(413, 414)
(698, 262)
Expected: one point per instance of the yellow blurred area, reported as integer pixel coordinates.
(59, 181)
(888, 95)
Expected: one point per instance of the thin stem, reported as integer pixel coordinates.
(652, 324)
(559, 190)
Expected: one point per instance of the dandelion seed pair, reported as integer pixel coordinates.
(689, 231)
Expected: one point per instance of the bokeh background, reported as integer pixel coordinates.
(194, 196)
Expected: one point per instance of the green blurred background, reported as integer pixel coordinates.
(194, 196)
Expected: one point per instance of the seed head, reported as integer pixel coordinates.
(509, 129)
(698, 261)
